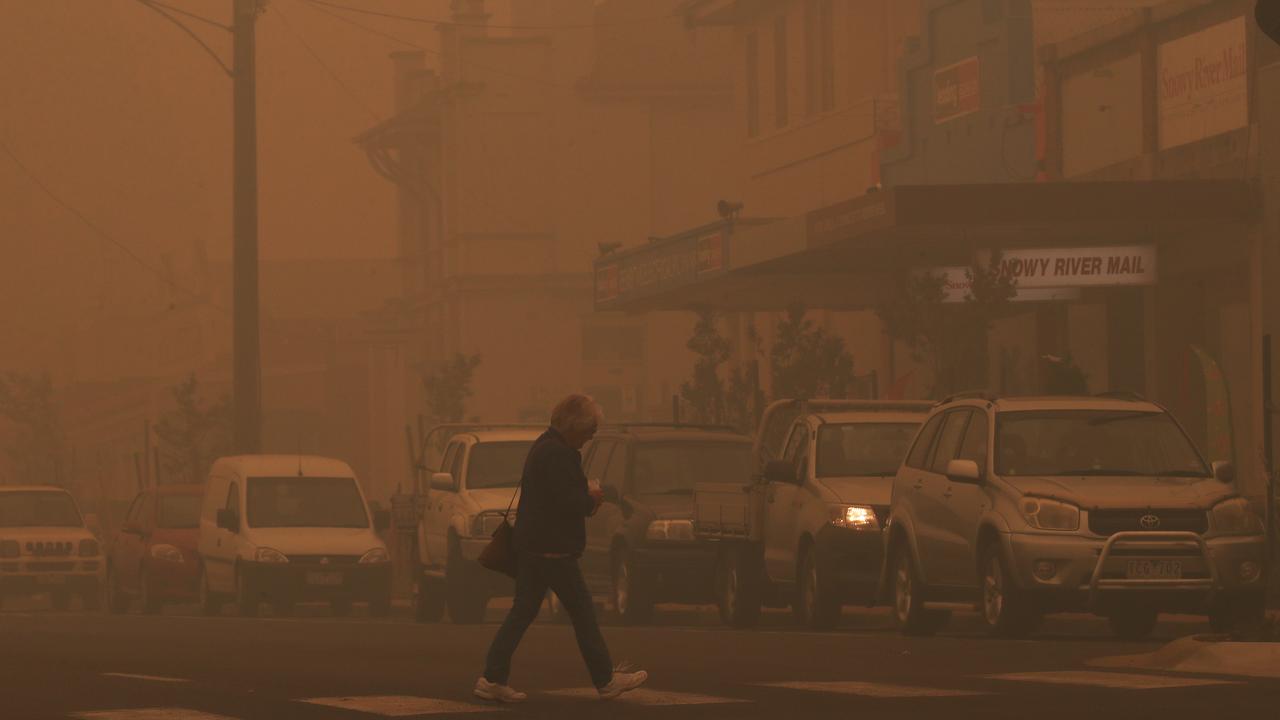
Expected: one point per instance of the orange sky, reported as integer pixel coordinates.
(127, 119)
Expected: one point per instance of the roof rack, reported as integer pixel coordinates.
(1122, 395)
(970, 395)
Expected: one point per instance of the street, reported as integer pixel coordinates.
(183, 666)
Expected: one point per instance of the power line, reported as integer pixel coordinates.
(450, 23)
(193, 16)
(156, 8)
(325, 66)
(102, 234)
(366, 28)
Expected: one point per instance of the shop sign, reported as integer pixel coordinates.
(1082, 267)
(956, 90)
(710, 253)
(661, 266)
(956, 287)
(607, 283)
(1203, 84)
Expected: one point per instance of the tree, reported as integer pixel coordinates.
(745, 399)
(704, 392)
(951, 338)
(808, 362)
(193, 435)
(449, 386)
(38, 448)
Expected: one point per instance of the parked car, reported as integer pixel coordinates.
(288, 529)
(46, 548)
(1025, 506)
(641, 548)
(475, 483)
(153, 558)
(806, 531)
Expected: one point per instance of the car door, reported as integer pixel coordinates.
(220, 564)
(126, 551)
(782, 508)
(599, 526)
(963, 506)
(931, 498)
(437, 534)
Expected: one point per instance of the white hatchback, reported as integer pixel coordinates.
(284, 529)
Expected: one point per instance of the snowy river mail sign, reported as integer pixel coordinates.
(1082, 267)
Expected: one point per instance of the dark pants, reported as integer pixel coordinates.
(536, 575)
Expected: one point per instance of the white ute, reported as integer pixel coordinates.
(46, 548)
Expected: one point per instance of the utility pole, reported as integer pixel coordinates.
(246, 341)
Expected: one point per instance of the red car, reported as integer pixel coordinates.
(153, 557)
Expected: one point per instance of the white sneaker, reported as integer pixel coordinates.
(486, 690)
(623, 682)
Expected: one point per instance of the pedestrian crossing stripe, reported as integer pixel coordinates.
(173, 713)
(652, 698)
(1122, 681)
(399, 705)
(149, 678)
(873, 690)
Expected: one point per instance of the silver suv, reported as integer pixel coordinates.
(1025, 506)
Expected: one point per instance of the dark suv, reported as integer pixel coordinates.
(641, 548)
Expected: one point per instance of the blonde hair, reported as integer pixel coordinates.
(576, 413)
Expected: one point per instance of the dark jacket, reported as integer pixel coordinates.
(554, 501)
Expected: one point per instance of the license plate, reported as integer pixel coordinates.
(1155, 570)
(326, 579)
(51, 580)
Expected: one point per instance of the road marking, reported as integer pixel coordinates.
(875, 690)
(400, 705)
(151, 678)
(150, 714)
(653, 698)
(1124, 681)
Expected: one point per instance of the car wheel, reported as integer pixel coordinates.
(117, 601)
(61, 599)
(147, 597)
(1238, 613)
(631, 600)
(738, 588)
(909, 611)
(428, 600)
(816, 606)
(1133, 622)
(246, 598)
(467, 604)
(210, 603)
(1006, 611)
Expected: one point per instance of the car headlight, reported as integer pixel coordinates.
(10, 549)
(663, 530)
(1044, 514)
(270, 555)
(854, 517)
(376, 555)
(169, 553)
(1235, 517)
(89, 548)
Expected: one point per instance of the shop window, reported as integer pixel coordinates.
(781, 112)
(753, 85)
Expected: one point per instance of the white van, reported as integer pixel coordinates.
(284, 529)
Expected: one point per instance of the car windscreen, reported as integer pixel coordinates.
(178, 512)
(1094, 442)
(863, 449)
(305, 502)
(672, 468)
(38, 509)
(496, 464)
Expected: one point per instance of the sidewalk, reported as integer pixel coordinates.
(1205, 655)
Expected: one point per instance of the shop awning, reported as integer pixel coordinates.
(843, 256)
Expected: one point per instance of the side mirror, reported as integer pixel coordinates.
(964, 471)
(442, 481)
(1224, 472)
(381, 520)
(229, 520)
(611, 494)
(780, 471)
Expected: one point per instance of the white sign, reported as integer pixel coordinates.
(956, 287)
(1203, 84)
(1082, 267)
